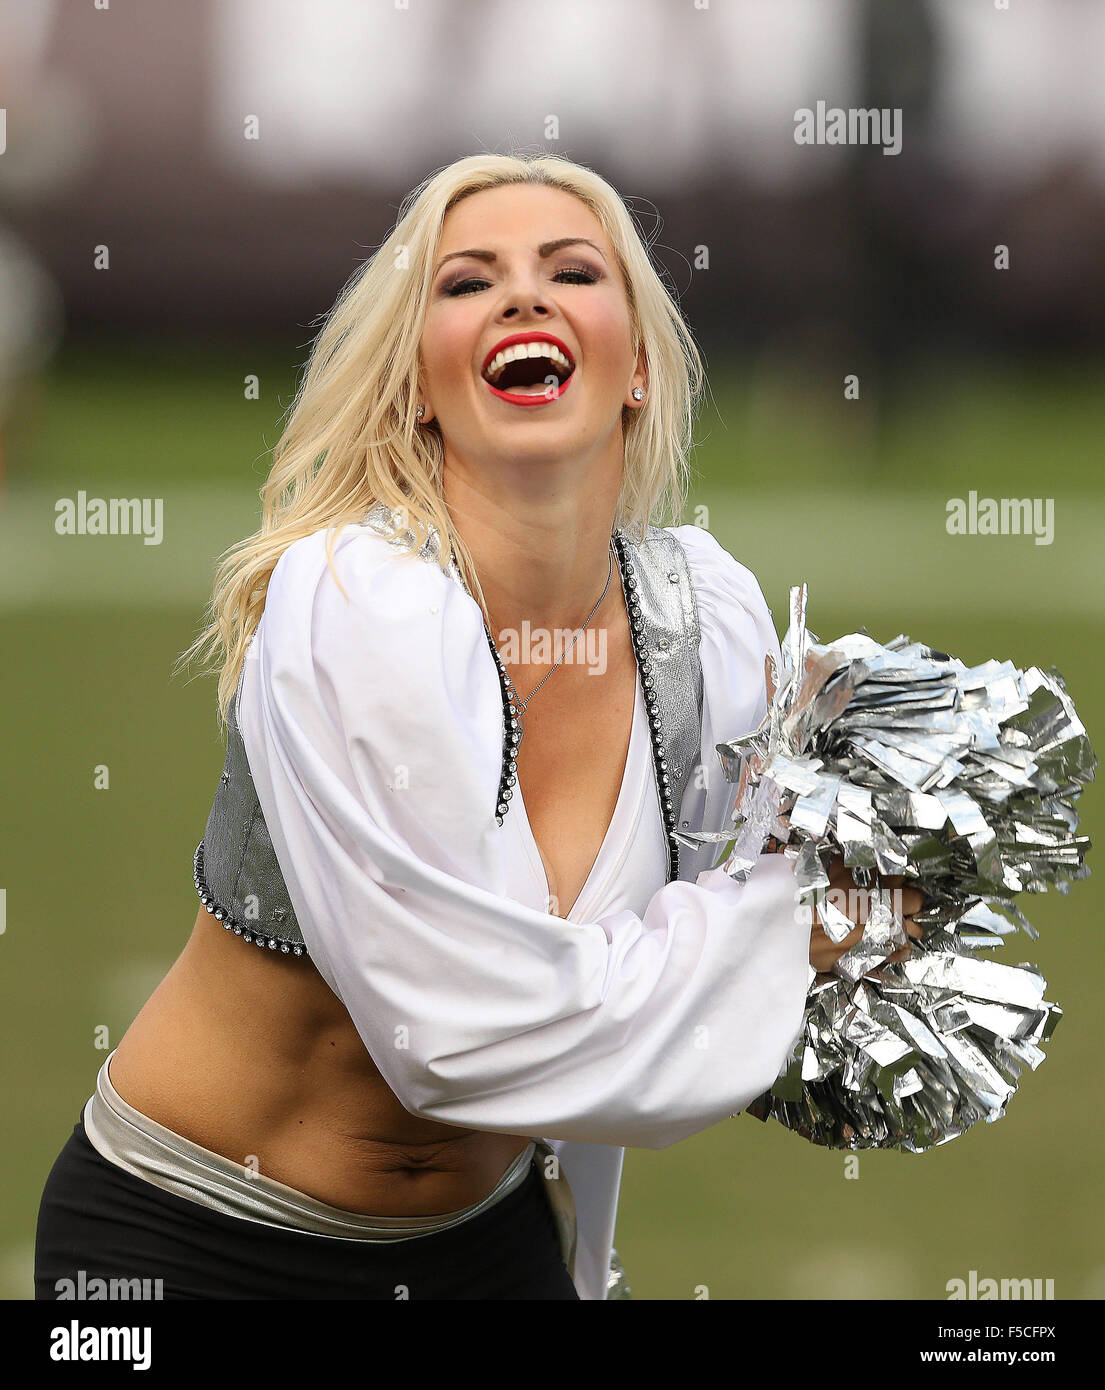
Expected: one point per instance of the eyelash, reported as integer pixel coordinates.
(455, 288)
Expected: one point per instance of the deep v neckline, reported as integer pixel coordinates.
(628, 771)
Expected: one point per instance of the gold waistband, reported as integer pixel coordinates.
(149, 1150)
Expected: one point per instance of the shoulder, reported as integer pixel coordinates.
(356, 557)
(351, 573)
(724, 587)
(370, 606)
(737, 636)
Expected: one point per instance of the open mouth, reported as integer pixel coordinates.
(529, 368)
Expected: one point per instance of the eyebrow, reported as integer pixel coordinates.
(544, 250)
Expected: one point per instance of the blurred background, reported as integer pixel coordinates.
(154, 255)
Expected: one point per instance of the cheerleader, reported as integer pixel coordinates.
(451, 957)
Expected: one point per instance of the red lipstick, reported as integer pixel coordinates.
(543, 397)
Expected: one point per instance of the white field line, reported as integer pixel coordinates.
(892, 555)
(888, 554)
(41, 569)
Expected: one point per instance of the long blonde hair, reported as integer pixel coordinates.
(351, 438)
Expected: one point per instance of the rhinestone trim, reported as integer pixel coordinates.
(512, 732)
(273, 943)
(513, 723)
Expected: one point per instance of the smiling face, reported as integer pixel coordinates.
(527, 347)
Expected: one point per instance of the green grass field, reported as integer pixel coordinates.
(99, 895)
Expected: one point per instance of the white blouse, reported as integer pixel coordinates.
(373, 729)
(632, 860)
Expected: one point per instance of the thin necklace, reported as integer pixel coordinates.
(609, 575)
(520, 704)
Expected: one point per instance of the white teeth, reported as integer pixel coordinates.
(520, 350)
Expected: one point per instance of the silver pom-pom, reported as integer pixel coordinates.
(962, 781)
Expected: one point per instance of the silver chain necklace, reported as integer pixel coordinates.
(609, 575)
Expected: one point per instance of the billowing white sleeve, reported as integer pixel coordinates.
(373, 729)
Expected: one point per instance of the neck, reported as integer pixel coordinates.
(542, 552)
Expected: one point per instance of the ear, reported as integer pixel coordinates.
(421, 398)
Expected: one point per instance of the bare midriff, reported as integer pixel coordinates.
(250, 1054)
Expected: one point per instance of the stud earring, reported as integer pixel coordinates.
(420, 412)
(638, 393)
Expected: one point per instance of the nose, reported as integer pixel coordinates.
(524, 297)
(520, 306)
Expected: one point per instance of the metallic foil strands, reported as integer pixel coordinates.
(961, 780)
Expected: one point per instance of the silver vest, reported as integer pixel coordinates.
(235, 869)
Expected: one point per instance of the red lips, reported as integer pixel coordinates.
(542, 397)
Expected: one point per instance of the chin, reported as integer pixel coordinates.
(552, 440)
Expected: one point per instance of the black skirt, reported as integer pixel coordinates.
(97, 1218)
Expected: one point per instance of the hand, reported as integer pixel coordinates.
(855, 903)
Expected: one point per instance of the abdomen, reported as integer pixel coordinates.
(252, 1056)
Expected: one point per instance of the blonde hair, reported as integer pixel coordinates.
(351, 438)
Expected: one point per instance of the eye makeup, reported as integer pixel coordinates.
(455, 285)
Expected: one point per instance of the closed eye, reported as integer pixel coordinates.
(472, 283)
